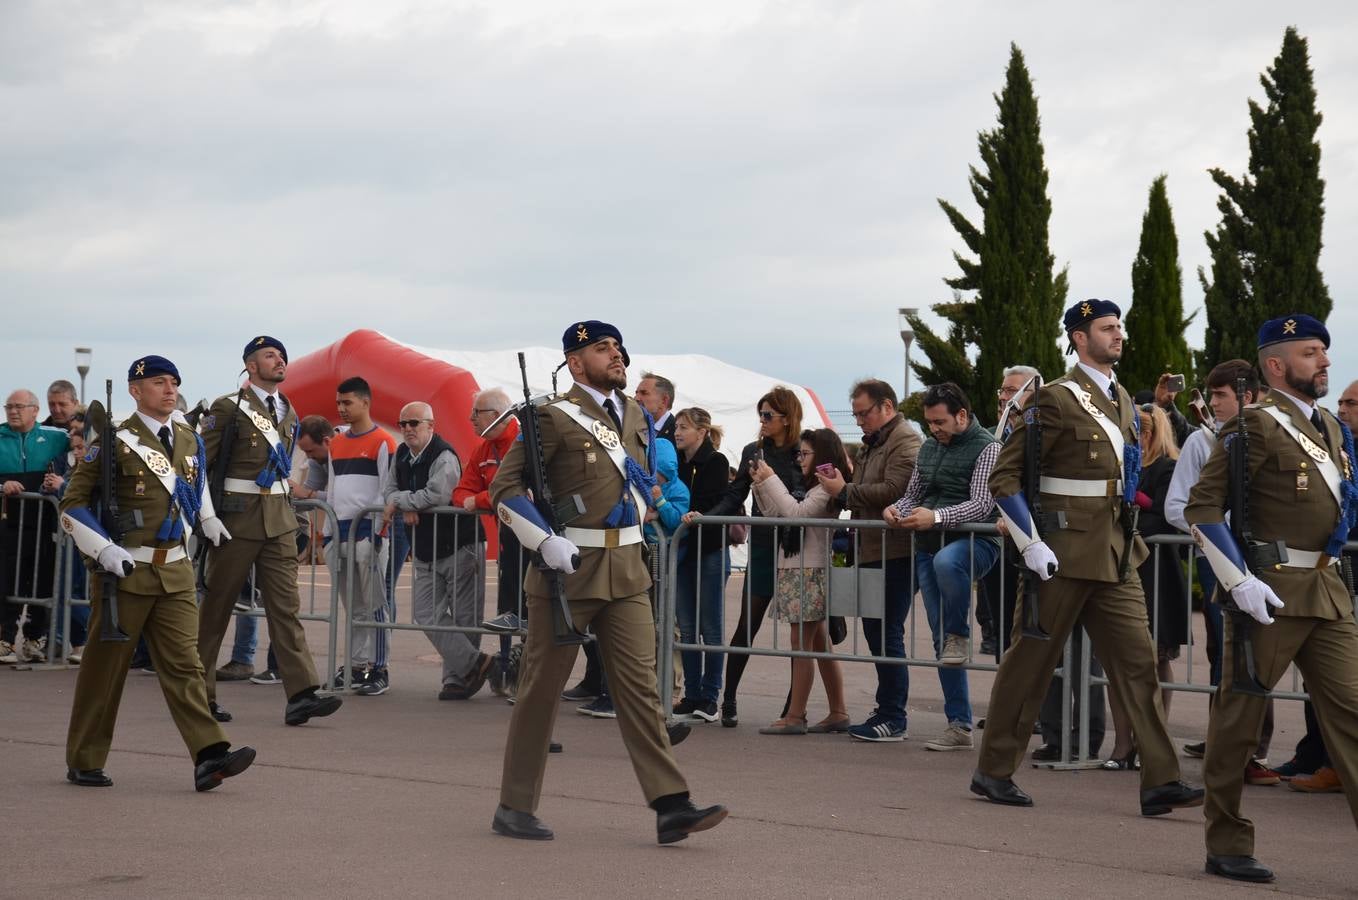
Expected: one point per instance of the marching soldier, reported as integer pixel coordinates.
(249, 437)
(160, 492)
(593, 441)
(1078, 537)
(1302, 494)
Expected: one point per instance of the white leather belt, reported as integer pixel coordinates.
(245, 486)
(158, 556)
(1081, 487)
(1308, 559)
(607, 538)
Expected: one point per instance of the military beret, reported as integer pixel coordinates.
(582, 334)
(1088, 311)
(150, 367)
(1294, 327)
(260, 343)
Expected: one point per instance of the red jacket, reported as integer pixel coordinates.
(480, 470)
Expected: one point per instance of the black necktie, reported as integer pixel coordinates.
(1319, 426)
(164, 435)
(273, 408)
(1113, 392)
(613, 414)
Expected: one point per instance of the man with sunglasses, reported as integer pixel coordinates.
(449, 549)
(261, 527)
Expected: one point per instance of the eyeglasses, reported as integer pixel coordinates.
(766, 416)
(412, 423)
(15, 407)
(1006, 392)
(480, 412)
(802, 454)
(860, 413)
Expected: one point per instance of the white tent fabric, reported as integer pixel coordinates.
(728, 392)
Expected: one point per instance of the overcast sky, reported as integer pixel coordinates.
(751, 180)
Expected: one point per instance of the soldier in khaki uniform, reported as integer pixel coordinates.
(160, 491)
(1302, 493)
(1090, 458)
(256, 508)
(588, 438)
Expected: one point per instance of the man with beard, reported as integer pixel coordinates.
(594, 445)
(1085, 550)
(262, 527)
(1302, 494)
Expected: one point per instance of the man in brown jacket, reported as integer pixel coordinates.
(881, 470)
(593, 442)
(1085, 551)
(1302, 493)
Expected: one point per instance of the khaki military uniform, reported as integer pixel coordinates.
(608, 593)
(156, 601)
(263, 530)
(1086, 589)
(1288, 501)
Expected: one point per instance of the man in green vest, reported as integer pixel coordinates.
(950, 486)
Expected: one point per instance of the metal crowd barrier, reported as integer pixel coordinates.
(40, 542)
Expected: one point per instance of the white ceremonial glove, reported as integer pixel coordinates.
(116, 561)
(559, 554)
(214, 530)
(1040, 558)
(1254, 598)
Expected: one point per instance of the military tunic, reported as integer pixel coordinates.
(263, 530)
(608, 593)
(156, 600)
(1086, 588)
(1288, 501)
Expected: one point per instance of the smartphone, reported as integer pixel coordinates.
(826, 469)
(1175, 384)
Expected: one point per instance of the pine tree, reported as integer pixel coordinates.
(1015, 315)
(1272, 217)
(1155, 322)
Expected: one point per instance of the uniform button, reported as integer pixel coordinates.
(1277, 567)
(1303, 465)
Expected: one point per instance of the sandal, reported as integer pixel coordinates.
(786, 725)
(831, 724)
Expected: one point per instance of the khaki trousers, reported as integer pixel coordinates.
(275, 562)
(170, 625)
(1326, 652)
(626, 635)
(1115, 617)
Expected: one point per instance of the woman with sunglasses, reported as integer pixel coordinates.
(800, 583)
(780, 428)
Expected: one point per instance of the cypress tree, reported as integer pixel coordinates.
(1015, 315)
(1155, 323)
(1271, 217)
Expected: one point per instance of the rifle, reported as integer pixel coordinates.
(1032, 489)
(110, 630)
(535, 470)
(1259, 555)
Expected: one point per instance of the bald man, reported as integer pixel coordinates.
(449, 548)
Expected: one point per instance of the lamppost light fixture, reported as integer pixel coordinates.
(907, 338)
(83, 356)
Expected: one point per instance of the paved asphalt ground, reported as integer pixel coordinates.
(393, 796)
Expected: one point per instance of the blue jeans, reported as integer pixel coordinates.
(700, 594)
(247, 640)
(893, 682)
(1211, 613)
(80, 615)
(945, 581)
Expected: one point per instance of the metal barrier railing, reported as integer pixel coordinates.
(38, 575)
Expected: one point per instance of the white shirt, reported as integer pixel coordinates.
(279, 403)
(1187, 471)
(1307, 409)
(155, 426)
(600, 398)
(1103, 381)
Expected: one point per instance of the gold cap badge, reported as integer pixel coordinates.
(1086, 310)
(581, 333)
(141, 367)
(1290, 326)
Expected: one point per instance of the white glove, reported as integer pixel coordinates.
(214, 530)
(1040, 558)
(559, 554)
(1254, 598)
(112, 558)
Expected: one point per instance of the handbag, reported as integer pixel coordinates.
(738, 533)
(839, 630)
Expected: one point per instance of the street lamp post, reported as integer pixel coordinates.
(83, 355)
(907, 338)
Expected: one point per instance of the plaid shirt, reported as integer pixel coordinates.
(973, 510)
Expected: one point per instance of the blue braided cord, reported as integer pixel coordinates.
(1131, 462)
(624, 513)
(278, 466)
(1348, 489)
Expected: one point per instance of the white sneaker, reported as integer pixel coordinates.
(954, 650)
(74, 655)
(34, 651)
(954, 738)
(7, 655)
